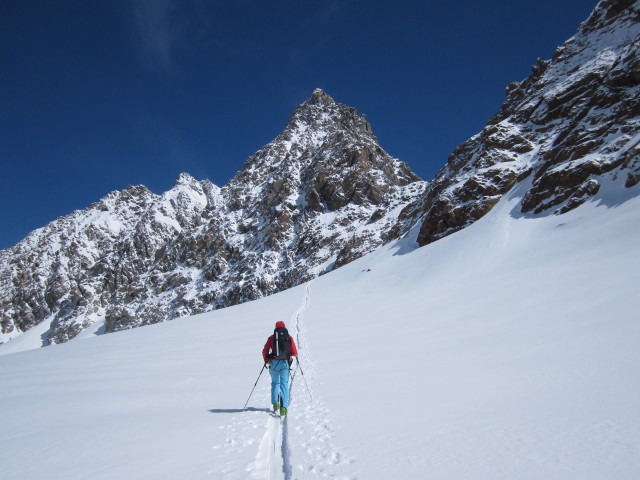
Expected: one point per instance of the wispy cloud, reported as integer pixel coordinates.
(156, 29)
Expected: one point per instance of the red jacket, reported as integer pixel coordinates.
(269, 346)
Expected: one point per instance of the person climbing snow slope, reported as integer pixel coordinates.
(277, 353)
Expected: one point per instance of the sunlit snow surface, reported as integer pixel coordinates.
(506, 351)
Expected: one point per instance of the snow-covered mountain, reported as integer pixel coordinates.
(320, 195)
(324, 193)
(572, 123)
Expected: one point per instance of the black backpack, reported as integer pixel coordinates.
(281, 344)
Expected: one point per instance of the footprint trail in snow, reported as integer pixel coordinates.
(311, 449)
(299, 446)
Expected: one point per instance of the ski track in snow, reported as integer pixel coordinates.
(312, 450)
(272, 452)
(306, 451)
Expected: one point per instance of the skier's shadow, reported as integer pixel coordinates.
(238, 410)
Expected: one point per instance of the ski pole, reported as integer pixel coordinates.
(304, 378)
(293, 376)
(254, 385)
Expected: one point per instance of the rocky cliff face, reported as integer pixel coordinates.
(320, 195)
(570, 126)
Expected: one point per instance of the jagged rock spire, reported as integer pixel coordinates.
(320, 97)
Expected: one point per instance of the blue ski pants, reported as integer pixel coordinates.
(279, 371)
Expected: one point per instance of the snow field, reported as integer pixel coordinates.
(504, 351)
(507, 350)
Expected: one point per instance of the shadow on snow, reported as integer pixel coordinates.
(239, 410)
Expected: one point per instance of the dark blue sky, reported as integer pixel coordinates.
(98, 95)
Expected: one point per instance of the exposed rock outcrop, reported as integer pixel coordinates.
(572, 122)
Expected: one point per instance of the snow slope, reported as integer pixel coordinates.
(507, 350)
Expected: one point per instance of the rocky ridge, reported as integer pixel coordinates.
(569, 127)
(320, 195)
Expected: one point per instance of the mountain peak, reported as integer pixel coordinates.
(321, 115)
(185, 179)
(320, 97)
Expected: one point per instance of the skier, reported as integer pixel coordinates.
(277, 353)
